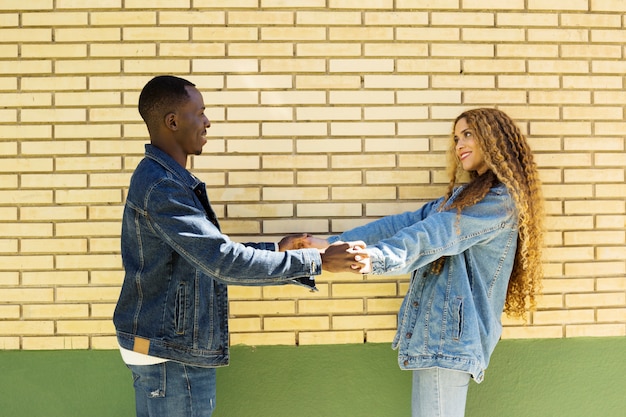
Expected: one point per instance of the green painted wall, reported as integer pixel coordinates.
(552, 378)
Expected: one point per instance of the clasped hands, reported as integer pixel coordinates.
(338, 257)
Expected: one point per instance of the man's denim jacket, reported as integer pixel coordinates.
(450, 317)
(173, 303)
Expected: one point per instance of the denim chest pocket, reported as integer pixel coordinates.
(180, 309)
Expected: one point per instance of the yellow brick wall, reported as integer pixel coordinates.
(326, 114)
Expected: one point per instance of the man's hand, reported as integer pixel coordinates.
(301, 241)
(346, 257)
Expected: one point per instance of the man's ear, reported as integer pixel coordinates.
(171, 121)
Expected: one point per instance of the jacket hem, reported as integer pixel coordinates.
(203, 358)
(411, 363)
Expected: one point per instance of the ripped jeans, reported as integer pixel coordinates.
(173, 389)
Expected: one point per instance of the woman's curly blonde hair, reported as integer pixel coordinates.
(509, 161)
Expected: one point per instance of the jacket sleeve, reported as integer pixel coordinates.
(387, 226)
(182, 224)
(442, 233)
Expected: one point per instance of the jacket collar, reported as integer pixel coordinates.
(171, 165)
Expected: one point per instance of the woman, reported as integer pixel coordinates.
(473, 254)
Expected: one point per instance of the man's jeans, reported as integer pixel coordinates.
(439, 392)
(172, 389)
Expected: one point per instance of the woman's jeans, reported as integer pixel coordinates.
(439, 392)
(172, 389)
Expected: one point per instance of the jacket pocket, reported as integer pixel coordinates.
(181, 308)
(457, 318)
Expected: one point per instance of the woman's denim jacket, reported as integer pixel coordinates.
(173, 303)
(450, 317)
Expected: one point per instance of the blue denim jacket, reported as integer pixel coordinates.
(173, 303)
(450, 317)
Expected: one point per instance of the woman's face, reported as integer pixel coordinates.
(467, 150)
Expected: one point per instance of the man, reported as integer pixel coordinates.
(172, 314)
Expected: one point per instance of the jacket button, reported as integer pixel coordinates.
(415, 304)
(425, 274)
(406, 363)
(408, 335)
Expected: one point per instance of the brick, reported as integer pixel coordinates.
(103, 342)
(590, 51)
(329, 209)
(214, 33)
(328, 145)
(88, 294)
(26, 328)
(596, 330)
(104, 245)
(53, 245)
(460, 19)
(52, 278)
(107, 278)
(611, 284)
(611, 314)
(244, 308)
(397, 177)
(105, 261)
(529, 19)
(361, 65)
(295, 162)
(55, 343)
(399, 18)
(237, 325)
(295, 226)
(540, 332)
(330, 338)
(82, 327)
(295, 323)
(42, 66)
(360, 33)
(364, 290)
(42, 311)
(112, 66)
(300, 193)
(359, 193)
(293, 65)
(52, 51)
(264, 338)
(565, 317)
(78, 4)
(254, 49)
(264, 177)
(9, 312)
(126, 17)
(364, 322)
(260, 210)
(330, 306)
(580, 5)
(606, 144)
(380, 336)
(87, 34)
(598, 299)
(28, 295)
(383, 305)
(8, 245)
(607, 5)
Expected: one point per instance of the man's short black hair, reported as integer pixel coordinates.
(162, 95)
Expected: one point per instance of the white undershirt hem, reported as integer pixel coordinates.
(134, 358)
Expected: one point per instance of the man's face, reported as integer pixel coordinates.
(192, 124)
